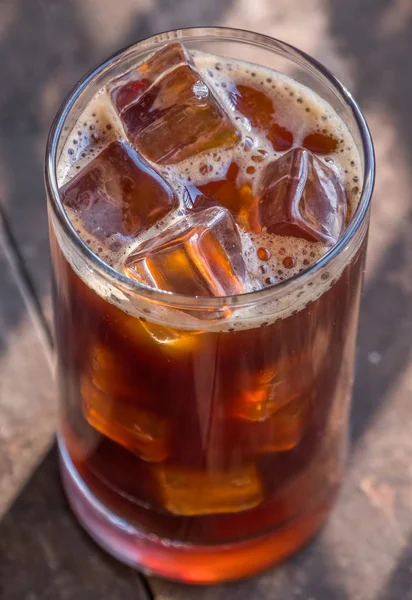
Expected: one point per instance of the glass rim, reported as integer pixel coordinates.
(204, 34)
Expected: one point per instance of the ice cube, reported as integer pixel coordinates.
(189, 492)
(172, 340)
(108, 373)
(168, 111)
(140, 431)
(228, 192)
(285, 429)
(263, 399)
(118, 192)
(274, 387)
(126, 90)
(286, 378)
(301, 196)
(200, 255)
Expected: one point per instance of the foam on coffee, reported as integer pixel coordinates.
(286, 256)
(309, 113)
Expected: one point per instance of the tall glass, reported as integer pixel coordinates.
(204, 439)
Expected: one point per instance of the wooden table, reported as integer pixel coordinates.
(365, 551)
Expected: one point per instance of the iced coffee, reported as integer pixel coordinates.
(205, 396)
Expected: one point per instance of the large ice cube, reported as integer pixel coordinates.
(168, 111)
(189, 492)
(301, 196)
(140, 431)
(172, 340)
(126, 89)
(285, 429)
(200, 255)
(109, 373)
(275, 387)
(272, 389)
(118, 192)
(287, 379)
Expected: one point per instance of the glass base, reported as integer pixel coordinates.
(187, 563)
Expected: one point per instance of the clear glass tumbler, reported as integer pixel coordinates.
(155, 466)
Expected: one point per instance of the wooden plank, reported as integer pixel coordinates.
(44, 554)
(27, 397)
